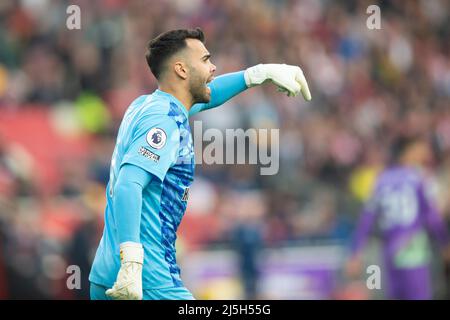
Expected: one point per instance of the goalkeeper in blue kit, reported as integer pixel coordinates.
(153, 165)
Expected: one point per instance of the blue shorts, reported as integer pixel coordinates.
(175, 293)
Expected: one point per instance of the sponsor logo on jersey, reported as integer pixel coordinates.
(148, 154)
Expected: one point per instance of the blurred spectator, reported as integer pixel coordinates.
(247, 239)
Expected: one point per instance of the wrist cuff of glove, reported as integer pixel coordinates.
(131, 252)
(255, 75)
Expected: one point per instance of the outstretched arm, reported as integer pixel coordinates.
(223, 88)
(288, 79)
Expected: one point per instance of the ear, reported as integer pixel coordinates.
(180, 70)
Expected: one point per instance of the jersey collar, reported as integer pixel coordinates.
(175, 100)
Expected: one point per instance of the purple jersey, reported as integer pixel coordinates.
(404, 216)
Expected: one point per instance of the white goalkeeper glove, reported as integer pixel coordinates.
(128, 285)
(289, 79)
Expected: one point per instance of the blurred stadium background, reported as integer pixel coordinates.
(63, 93)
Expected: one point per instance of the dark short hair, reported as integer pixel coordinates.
(399, 146)
(164, 46)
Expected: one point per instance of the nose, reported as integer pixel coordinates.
(213, 68)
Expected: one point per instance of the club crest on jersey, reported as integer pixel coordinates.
(156, 138)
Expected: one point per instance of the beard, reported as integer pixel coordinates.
(199, 92)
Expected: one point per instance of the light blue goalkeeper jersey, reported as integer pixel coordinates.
(155, 135)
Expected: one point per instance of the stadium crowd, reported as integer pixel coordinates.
(63, 93)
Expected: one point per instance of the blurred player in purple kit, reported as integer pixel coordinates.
(405, 216)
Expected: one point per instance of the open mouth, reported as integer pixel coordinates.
(208, 82)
